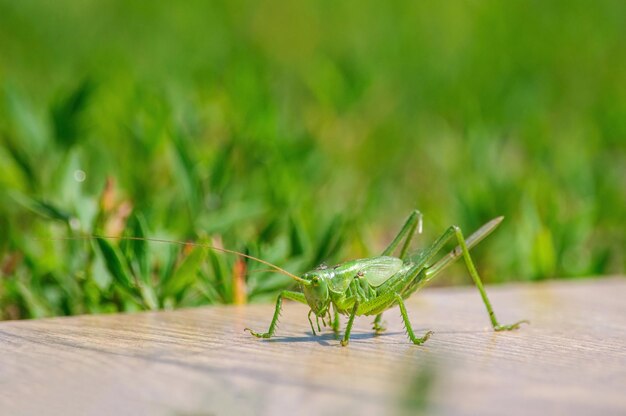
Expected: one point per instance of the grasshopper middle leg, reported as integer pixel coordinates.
(407, 232)
(407, 324)
(379, 326)
(335, 322)
(346, 335)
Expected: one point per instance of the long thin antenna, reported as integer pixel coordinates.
(183, 243)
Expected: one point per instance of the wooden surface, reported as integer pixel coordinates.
(570, 360)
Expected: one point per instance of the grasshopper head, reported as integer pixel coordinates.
(316, 293)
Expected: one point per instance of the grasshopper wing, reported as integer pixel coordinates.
(375, 270)
(378, 270)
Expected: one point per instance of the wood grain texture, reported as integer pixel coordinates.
(570, 360)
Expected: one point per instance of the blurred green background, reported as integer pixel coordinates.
(300, 132)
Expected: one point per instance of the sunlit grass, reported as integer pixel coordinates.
(300, 133)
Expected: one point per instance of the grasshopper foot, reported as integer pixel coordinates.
(258, 334)
(420, 341)
(379, 327)
(511, 327)
(345, 342)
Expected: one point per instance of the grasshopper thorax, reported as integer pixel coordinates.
(316, 292)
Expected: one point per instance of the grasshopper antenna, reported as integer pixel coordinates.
(183, 243)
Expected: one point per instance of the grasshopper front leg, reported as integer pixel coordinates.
(299, 297)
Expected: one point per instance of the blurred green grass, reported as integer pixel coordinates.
(300, 132)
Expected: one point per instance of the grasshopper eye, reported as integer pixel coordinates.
(315, 280)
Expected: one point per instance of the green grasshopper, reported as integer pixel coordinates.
(371, 286)
(368, 286)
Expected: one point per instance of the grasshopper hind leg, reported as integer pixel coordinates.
(413, 223)
(479, 284)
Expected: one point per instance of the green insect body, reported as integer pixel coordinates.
(354, 281)
(373, 285)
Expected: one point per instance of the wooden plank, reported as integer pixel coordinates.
(570, 360)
